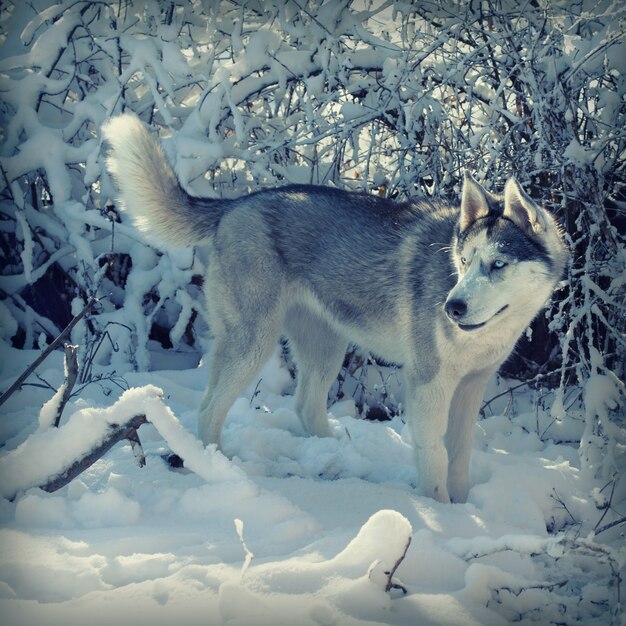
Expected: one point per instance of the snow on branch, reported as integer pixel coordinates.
(51, 457)
(479, 547)
(383, 541)
(115, 434)
(52, 410)
(49, 349)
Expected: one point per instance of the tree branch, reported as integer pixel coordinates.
(617, 522)
(71, 374)
(117, 433)
(44, 355)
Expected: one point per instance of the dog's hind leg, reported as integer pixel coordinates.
(318, 351)
(245, 290)
(463, 412)
(237, 356)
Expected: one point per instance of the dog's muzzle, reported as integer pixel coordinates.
(456, 310)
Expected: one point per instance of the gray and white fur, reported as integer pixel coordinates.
(443, 291)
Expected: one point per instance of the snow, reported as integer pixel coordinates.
(8, 326)
(278, 528)
(288, 529)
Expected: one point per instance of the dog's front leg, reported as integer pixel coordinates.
(459, 438)
(427, 415)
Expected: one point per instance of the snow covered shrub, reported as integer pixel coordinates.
(393, 98)
(66, 68)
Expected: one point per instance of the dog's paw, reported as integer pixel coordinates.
(458, 492)
(437, 492)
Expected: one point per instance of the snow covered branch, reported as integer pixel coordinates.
(51, 457)
(49, 349)
(117, 433)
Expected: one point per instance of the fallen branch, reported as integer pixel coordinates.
(51, 457)
(51, 348)
(117, 433)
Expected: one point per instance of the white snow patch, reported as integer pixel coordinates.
(293, 529)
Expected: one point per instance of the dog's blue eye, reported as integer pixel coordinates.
(498, 265)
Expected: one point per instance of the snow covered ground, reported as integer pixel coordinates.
(293, 530)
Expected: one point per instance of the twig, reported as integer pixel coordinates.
(548, 586)
(256, 392)
(44, 355)
(555, 496)
(530, 381)
(608, 506)
(71, 374)
(390, 583)
(617, 522)
(117, 433)
(137, 448)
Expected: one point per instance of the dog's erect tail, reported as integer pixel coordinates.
(148, 188)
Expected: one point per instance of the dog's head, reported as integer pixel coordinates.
(508, 254)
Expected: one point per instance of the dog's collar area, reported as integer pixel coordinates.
(470, 327)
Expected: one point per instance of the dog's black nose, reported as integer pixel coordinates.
(455, 309)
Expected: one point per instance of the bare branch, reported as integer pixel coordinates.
(71, 374)
(46, 353)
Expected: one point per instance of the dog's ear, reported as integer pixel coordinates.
(522, 210)
(475, 202)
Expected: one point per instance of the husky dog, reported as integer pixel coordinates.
(443, 291)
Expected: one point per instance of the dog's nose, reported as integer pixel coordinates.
(455, 309)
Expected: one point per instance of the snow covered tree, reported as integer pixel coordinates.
(388, 97)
